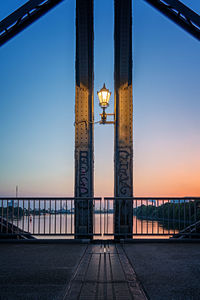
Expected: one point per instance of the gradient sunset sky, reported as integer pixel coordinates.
(37, 92)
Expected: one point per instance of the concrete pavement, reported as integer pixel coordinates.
(167, 271)
(51, 271)
(37, 271)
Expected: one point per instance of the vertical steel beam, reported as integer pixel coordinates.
(123, 157)
(84, 118)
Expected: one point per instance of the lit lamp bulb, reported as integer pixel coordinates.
(104, 97)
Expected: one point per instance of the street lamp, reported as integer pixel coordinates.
(104, 97)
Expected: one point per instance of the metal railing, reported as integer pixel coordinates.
(153, 216)
(45, 216)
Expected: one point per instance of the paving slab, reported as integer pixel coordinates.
(105, 273)
(167, 271)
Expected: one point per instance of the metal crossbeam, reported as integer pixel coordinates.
(34, 9)
(23, 17)
(180, 14)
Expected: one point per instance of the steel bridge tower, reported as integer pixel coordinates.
(123, 146)
(84, 117)
(123, 157)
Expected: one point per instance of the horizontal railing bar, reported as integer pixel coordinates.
(152, 198)
(65, 234)
(139, 234)
(50, 198)
(98, 198)
(150, 234)
(46, 234)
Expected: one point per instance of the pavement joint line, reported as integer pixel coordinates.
(75, 273)
(102, 281)
(89, 257)
(116, 271)
(97, 288)
(134, 284)
(135, 275)
(111, 273)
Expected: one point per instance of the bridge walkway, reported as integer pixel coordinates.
(104, 272)
(54, 269)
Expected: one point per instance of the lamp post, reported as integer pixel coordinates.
(104, 97)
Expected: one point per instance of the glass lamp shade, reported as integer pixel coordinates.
(104, 97)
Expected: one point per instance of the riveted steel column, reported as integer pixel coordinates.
(123, 220)
(84, 117)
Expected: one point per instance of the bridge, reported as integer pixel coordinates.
(84, 101)
(87, 247)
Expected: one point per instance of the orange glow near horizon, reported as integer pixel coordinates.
(171, 171)
(167, 167)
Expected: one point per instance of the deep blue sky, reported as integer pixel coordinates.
(37, 103)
